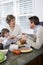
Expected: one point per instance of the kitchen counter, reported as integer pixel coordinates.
(22, 59)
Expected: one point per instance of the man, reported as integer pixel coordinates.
(37, 40)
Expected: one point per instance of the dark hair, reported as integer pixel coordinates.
(34, 19)
(4, 30)
(9, 18)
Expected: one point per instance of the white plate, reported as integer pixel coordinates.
(26, 50)
(4, 59)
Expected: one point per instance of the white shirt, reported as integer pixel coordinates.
(16, 31)
(5, 41)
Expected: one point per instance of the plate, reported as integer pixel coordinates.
(4, 59)
(25, 50)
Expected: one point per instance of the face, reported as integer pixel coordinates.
(12, 23)
(6, 34)
(32, 24)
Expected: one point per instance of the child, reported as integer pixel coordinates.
(7, 38)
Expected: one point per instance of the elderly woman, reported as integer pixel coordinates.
(15, 31)
(12, 26)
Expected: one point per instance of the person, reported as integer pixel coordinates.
(5, 38)
(14, 29)
(37, 40)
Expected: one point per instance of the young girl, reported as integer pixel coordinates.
(6, 38)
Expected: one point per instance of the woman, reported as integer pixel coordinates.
(14, 29)
(15, 32)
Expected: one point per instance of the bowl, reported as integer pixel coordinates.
(4, 51)
(13, 46)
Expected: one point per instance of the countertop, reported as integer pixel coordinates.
(22, 59)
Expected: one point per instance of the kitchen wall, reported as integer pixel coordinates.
(39, 9)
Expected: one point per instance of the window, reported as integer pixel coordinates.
(21, 9)
(25, 9)
(6, 7)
